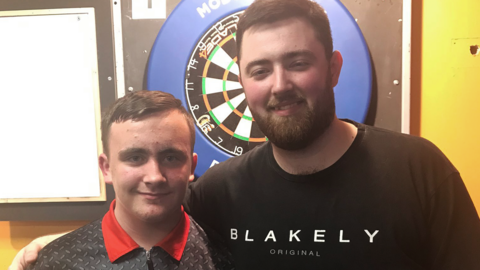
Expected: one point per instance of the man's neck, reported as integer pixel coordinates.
(145, 234)
(321, 153)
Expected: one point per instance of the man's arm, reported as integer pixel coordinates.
(454, 240)
(29, 254)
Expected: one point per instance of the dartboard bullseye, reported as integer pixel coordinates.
(194, 58)
(214, 95)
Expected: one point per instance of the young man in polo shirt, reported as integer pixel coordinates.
(148, 140)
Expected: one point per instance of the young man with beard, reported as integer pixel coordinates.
(325, 193)
(148, 140)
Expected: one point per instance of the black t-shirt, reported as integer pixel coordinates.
(392, 201)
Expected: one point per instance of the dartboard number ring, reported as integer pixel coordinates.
(215, 97)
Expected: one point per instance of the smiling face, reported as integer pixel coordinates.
(150, 164)
(288, 81)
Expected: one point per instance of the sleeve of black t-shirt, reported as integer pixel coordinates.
(208, 190)
(186, 201)
(194, 199)
(454, 239)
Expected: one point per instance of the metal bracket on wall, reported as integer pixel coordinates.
(118, 41)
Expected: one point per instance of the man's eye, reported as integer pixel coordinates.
(171, 158)
(259, 73)
(136, 159)
(299, 64)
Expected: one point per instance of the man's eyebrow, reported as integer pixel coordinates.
(286, 55)
(258, 62)
(131, 151)
(171, 150)
(293, 54)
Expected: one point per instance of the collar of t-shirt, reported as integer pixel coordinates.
(119, 243)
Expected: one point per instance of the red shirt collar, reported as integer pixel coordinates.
(119, 243)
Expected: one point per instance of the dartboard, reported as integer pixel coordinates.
(214, 95)
(194, 58)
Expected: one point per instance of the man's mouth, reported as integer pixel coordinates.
(154, 195)
(286, 108)
(287, 105)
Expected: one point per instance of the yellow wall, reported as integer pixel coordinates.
(449, 99)
(445, 102)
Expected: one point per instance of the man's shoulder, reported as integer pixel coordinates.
(406, 148)
(91, 234)
(70, 249)
(238, 164)
(408, 142)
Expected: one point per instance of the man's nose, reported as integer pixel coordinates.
(153, 173)
(281, 81)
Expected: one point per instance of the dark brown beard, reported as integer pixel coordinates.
(299, 131)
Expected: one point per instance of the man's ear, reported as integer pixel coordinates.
(104, 165)
(194, 165)
(336, 63)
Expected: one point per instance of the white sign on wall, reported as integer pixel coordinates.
(50, 106)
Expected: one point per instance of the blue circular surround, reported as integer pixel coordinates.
(191, 19)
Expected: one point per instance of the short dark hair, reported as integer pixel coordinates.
(136, 105)
(270, 11)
